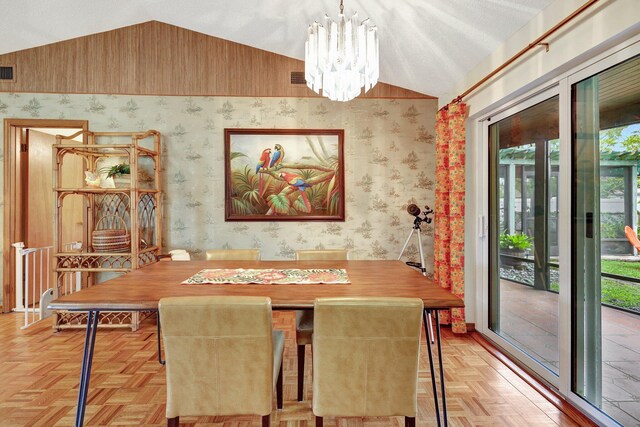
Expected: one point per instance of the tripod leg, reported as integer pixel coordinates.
(424, 272)
(406, 243)
(422, 264)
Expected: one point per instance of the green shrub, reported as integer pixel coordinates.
(612, 225)
(515, 241)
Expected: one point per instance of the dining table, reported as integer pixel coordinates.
(143, 288)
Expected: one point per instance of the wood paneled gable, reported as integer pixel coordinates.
(155, 58)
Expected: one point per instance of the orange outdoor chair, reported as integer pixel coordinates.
(632, 237)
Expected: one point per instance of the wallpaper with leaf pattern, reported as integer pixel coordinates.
(389, 163)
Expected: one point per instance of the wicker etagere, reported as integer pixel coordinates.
(133, 208)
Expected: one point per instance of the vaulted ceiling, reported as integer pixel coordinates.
(425, 45)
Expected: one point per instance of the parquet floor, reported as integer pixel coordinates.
(39, 375)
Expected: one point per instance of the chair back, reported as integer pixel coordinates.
(322, 255)
(233, 255)
(632, 237)
(179, 255)
(219, 355)
(365, 356)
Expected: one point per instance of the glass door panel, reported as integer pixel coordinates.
(523, 243)
(605, 267)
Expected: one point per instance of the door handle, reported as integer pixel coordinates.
(589, 226)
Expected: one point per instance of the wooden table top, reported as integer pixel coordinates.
(142, 289)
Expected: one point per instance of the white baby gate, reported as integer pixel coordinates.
(34, 278)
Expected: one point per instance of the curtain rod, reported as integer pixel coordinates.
(536, 42)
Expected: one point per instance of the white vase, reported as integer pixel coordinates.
(122, 180)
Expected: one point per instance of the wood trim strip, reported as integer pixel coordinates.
(555, 398)
(9, 194)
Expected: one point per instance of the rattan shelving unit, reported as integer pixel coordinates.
(137, 204)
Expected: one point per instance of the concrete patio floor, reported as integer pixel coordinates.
(529, 320)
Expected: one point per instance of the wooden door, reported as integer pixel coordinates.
(38, 201)
(39, 205)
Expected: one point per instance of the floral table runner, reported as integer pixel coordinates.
(269, 276)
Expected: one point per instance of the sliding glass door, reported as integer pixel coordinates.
(606, 268)
(562, 286)
(523, 199)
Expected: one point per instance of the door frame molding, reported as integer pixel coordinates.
(13, 214)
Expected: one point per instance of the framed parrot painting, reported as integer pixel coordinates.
(284, 175)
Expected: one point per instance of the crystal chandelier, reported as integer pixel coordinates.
(341, 57)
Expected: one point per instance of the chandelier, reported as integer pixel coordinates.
(340, 58)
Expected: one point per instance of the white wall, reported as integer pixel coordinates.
(604, 25)
(600, 27)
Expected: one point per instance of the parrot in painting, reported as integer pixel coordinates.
(299, 183)
(277, 157)
(263, 163)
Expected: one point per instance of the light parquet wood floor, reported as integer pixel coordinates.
(39, 376)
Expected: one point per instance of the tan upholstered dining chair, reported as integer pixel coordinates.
(304, 318)
(222, 356)
(365, 357)
(233, 254)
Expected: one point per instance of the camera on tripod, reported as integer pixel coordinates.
(416, 212)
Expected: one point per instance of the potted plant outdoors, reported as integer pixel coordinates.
(514, 246)
(121, 174)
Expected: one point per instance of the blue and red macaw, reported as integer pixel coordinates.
(263, 163)
(300, 184)
(277, 157)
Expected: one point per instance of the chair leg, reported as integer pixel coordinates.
(409, 421)
(318, 421)
(160, 360)
(173, 422)
(300, 373)
(279, 388)
(266, 420)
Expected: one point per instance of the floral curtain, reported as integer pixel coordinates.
(449, 210)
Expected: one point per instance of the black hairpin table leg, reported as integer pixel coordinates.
(160, 360)
(444, 396)
(87, 359)
(426, 313)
